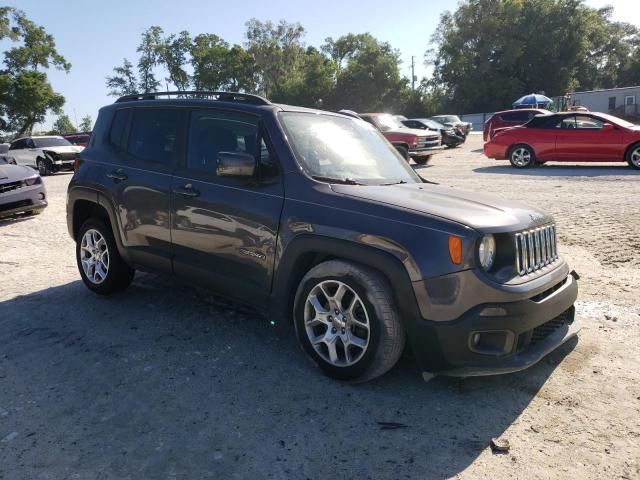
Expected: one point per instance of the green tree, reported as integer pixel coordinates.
(368, 73)
(277, 52)
(210, 62)
(123, 81)
(29, 97)
(171, 53)
(488, 53)
(26, 95)
(62, 125)
(86, 124)
(149, 49)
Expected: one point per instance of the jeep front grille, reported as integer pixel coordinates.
(535, 248)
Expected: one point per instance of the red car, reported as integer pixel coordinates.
(420, 145)
(567, 137)
(509, 118)
(78, 139)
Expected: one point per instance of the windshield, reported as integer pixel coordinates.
(447, 118)
(432, 123)
(345, 150)
(389, 122)
(50, 142)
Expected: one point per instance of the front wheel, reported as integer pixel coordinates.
(404, 151)
(346, 321)
(633, 156)
(522, 156)
(101, 267)
(43, 167)
(422, 160)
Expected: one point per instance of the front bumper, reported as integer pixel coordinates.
(59, 165)
(22, 200)
(500, 336)
(425, 152)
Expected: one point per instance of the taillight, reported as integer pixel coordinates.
(76, 164)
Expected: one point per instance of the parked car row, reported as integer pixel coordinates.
(564, 137)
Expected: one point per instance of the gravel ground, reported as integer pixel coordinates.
(165, 382)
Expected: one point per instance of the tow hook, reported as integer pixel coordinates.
(575, 275)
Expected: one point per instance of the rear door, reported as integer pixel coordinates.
(225, 228)
(144, 143)
(582, 138)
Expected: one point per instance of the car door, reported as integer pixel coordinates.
(584, 138)
(144, 144)
(224, 229)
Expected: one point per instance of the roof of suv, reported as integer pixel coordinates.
(239, 101)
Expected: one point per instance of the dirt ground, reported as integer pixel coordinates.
(165, 382)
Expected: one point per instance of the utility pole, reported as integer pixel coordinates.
(413, 73)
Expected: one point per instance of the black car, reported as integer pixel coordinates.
(453, 121)
(315, 219)
(451, 136)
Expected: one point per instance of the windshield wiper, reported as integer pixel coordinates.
(344, 181)
(394, 183)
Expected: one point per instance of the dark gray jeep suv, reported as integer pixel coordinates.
(315, 218)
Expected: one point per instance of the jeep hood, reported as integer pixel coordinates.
(484, 213)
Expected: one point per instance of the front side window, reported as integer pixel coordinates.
(344, 150)
(153, 134)
(49, 142)
(212, 132)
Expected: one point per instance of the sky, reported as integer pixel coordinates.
(96, 36)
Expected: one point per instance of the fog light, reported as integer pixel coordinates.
(41, 195)
(491, 342)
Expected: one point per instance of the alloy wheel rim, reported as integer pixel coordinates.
(94, 256)
(521, 157)
(635, 157)
(337, 323)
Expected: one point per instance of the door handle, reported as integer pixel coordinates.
(186, 191)
(117, 175)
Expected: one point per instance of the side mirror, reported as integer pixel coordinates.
(232, 164)
(607, 127)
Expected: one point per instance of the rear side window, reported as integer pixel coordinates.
(153, 134)
(118, 127)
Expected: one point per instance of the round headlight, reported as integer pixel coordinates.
(487, 251)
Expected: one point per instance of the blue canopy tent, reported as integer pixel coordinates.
(533, 100)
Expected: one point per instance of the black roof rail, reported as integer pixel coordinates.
(220, 96)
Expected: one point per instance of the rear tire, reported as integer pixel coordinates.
(633, 156)
(522, 156)
(101, 267)
(365, 338)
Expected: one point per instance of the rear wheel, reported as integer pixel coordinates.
(633, 156)
(522, 156)
(101, 267)
(346, 322)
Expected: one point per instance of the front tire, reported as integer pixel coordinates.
(522, 156)
(101, 267)
(43, 167)
(422, 160)
(633, 156)
(404, 151)
(345, 320)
